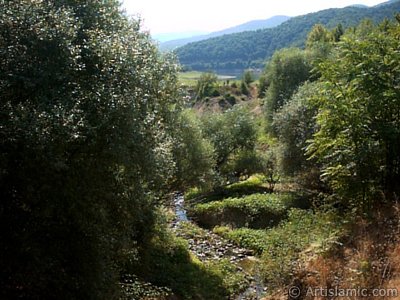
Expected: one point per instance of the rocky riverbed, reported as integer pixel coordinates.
(208, 246)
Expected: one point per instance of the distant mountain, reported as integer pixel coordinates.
(252, 25)
(165, 37)
(358, 5)
(248, 49)
(387, 2)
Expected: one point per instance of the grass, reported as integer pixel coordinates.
(255, 211)
(185, 275)
(281, 246)
(191, 78)
(250, 205)
(254, 184)
(243, 204)
(368, 256)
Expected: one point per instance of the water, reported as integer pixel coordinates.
(249, 264)
(179, 202)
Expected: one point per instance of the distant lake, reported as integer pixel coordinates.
(224, 74)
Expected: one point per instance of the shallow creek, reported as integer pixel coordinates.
(215, 247)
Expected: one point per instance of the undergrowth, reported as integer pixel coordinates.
(281, 246)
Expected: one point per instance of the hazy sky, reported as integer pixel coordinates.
(166, 16)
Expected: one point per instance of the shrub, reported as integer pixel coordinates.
(256, 211)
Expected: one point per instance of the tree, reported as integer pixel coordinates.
(320, 41)
(87, 107)
(286, 71)
(244, 88)
(206, 86)
(230, 134)
(337, 32)
(295, 126)
(318, 35)
(194, 155)
(358, 140)
(247, 77)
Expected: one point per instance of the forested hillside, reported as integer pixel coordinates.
(248, 26)
(251, 49)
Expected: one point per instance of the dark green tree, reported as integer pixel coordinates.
(337, 32)
(244, 88)
(86, 106)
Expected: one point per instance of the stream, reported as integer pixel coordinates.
(215, 247)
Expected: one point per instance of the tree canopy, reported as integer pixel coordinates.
(86, 108)
(358, 140)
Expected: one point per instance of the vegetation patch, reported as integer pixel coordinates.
(255, 211)
(281, 246)
(185, 274)
(254, 184)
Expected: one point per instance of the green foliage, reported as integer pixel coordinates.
(337, 32)
(269, 168)
(207, 86)
(294, 125)
(358, 119)
(263, 84)
(254, 239)
(286, 71)
(194, 155)
(303, 229)
(230, 134)
(250, 49)
(251, 204)
(254, 184)
(167, 262)
(321, 40)
(244, 163)
(87, 106)
(281, 246)
(247, 77)
(244, 88)
(256, 210)
(232, 280)
(318, 35)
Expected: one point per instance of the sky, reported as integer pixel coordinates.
(168, 16)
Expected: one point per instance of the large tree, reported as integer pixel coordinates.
(287, 70)
(295, 125)
(358, 140)
(86, 104)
